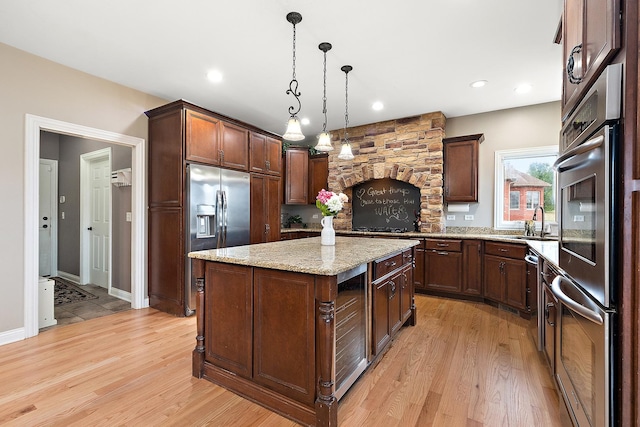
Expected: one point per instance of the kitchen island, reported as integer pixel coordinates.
(284, 323)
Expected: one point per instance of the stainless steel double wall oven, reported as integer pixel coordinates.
(587, 178)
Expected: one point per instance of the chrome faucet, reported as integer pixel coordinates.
(535, 212)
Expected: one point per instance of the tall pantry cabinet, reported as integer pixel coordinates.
(181, 133)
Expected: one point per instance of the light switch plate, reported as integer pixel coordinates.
(468, 217)
(128, 216)
(451, 217)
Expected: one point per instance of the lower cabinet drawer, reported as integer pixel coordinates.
(386, 266)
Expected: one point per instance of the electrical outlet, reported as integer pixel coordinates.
(451, 217)
(315, 216)
(128, 216)
(468, 217)
(61, 215)
(578, 218)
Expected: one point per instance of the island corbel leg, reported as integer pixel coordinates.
(326, 402)
(198, 352)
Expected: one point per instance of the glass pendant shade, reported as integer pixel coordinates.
(294, 131)
(324, 142)
(345, 152)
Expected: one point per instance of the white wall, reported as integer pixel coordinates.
(32, 85)
(524, 127)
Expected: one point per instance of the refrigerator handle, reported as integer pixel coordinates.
(219, 207)
(225, 213)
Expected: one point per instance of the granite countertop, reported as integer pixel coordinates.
(308, 255)
(546, 248)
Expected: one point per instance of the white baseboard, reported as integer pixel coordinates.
(12, 336)
(119, 293)
(69, 276)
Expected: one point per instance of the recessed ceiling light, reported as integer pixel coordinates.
(523, 88)
(377, 106)
(478, 83)
(305, 121)
(214, 76)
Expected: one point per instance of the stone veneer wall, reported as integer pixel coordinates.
(408, 149)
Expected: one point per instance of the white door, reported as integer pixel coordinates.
(100, 218)
(48, 178)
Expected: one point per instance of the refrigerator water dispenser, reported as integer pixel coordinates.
(206, 217)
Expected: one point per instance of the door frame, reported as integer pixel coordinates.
(54, 214)
(85, 215)
(33, 125)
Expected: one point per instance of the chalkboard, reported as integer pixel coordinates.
(385, 203)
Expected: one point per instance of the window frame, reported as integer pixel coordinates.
(498, 197)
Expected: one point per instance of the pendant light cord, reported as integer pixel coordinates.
(324, 94)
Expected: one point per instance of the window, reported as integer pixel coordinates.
(533, 199)
(514, 200)
(524, 179)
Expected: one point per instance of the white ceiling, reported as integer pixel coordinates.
(416, 56)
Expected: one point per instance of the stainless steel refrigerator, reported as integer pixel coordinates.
(218, 213)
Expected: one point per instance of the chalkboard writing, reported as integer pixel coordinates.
(385, 203)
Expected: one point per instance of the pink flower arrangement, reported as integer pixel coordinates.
(330, 203)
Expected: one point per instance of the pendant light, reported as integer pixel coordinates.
(324, 139)
(345, 152)
(294, 131)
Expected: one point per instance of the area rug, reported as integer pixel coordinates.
(66, 292)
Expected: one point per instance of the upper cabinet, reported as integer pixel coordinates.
(202, 138)
(266, 154)
(296, 177)
(234, 147)
(591, 35)
(461, 168)
(318, 175)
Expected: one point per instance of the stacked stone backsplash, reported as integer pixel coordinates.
(408, 149)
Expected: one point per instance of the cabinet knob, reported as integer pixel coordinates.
(570, 65)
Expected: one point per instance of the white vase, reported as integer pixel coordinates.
(328, 234)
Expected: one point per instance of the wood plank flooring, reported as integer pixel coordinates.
(464, 364)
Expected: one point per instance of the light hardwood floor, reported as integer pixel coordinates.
(464, 364)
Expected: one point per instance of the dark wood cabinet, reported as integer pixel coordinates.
(591, 37)
(296, 179)
(393, 305)
(265, 208)
(472, 267)
(234, 147)
(505, 274)
(461, 183)
(181, 133)
(265, 154)
(443, 265)
(202, 138)
(318, 175)
(418, 272)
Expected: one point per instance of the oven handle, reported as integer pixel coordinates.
(573, 305)
(580, 149)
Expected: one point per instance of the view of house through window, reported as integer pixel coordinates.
(525, 179)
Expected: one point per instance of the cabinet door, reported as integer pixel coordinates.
(515, 283)
(380, 328)
(443, 271)
(273, 151)
(419, 272)
(461, 183)
(395, 303)
(202, 138)
(257, 152)
(234, 147)
(593, 25)
(273, 208)
(166, 169)
(472, 267)
(296, 176)
(532, 288)
(166, 260)
(406, 292)
(258, 213)
(493, 280)
(229, 317)
(318, 175)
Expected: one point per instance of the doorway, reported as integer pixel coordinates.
(33, 126)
